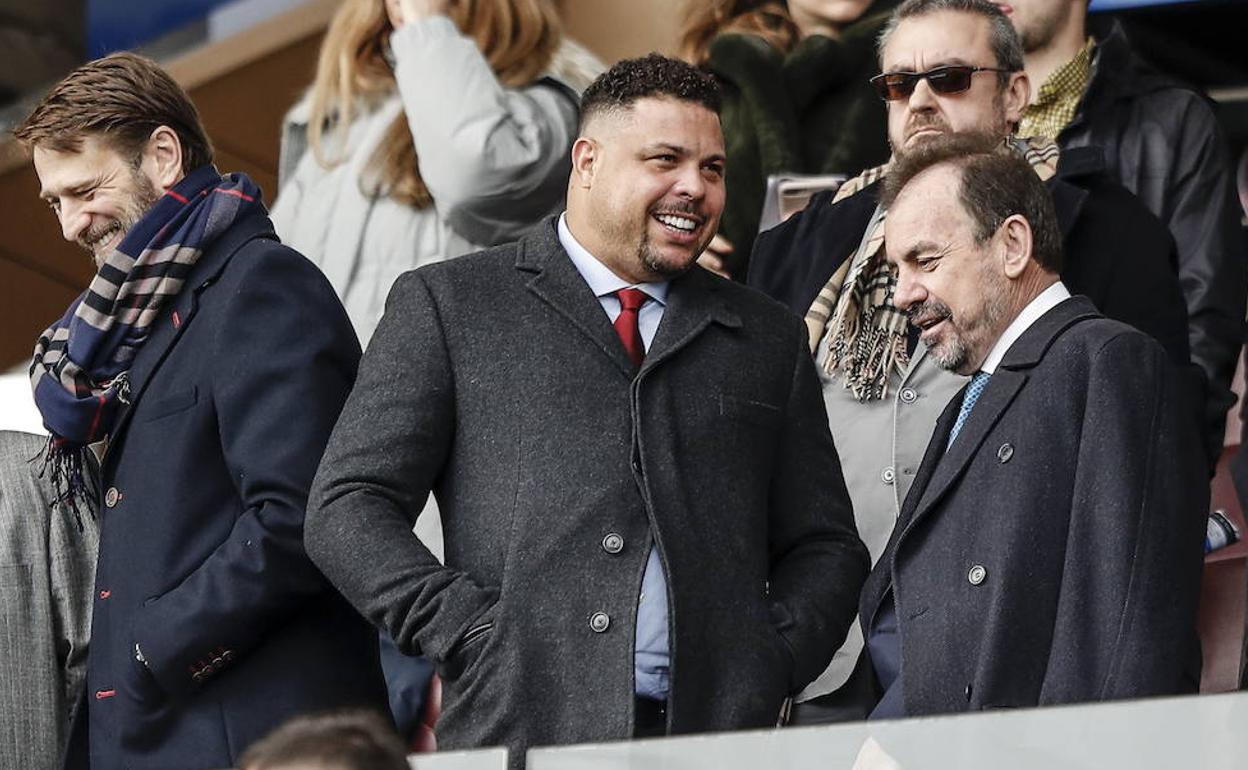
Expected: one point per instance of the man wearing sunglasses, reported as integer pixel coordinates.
(1163, 143)
(949, 67)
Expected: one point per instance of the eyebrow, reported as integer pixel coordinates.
(676, 149)
(50, 195)
(926, 248)
(951, 61)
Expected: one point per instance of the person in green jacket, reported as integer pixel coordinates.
(796, 98)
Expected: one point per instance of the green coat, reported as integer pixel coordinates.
(810, 112)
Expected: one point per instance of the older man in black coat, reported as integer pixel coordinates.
(1049, 550)
(646, 527)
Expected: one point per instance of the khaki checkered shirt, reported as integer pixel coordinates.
(1056, 101)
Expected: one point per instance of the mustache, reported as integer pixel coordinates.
(927, 312)
(922, 120)
(679, 206)
(94, 235)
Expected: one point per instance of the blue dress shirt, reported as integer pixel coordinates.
(651, 661)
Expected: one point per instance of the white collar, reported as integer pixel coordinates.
(599, 277)
(1041, 304)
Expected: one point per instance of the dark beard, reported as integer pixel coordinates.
(142, 197)
(651, 259)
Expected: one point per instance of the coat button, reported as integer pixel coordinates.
(977, 575)
(111, 497)
(908, 395)
(599, 622)
(1005, 452)
(613, 543)
(888, 475)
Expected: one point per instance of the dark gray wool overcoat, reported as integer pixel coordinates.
(496, 381)
(1052, 554)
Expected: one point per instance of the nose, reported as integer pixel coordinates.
(908, 291)
(922, 97)
(73, 220)
(690, 184)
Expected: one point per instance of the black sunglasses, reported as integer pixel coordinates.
(953, 79)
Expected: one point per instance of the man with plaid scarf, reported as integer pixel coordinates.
(204, 366)
(950, 66)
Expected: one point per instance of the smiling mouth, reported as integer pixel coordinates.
(681, 223)
(104, 241)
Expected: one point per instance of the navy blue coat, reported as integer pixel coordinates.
(1052, 553)
(204, 487)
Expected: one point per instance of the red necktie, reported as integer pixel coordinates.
(631, 301)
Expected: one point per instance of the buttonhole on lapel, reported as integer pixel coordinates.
(918, 613)
(177, 320)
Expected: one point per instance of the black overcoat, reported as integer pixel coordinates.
(1053, 553)
(204, 487)
(497, 381)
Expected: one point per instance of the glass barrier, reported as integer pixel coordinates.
(486, 759)
(1209, 732)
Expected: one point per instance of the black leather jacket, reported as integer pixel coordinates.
(1162, 141)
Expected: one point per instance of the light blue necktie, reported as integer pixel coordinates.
(973, 391)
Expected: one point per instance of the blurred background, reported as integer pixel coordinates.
(245, 62)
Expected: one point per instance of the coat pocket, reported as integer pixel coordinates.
(748, 410)
(156, 408)
(468, 652)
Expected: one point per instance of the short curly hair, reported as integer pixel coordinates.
(649, 76)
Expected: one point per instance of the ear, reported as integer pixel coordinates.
(162, 158)
(584, 161)
(1016, 97)
(1015, 239)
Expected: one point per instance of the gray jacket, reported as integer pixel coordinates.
(495, 159)
(497, 382)
(880, 470)
(47, 568)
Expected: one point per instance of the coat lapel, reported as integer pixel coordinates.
(693, 303)
(1068, 201)
(1003, 386)
(174, 320)
(941, 469)
(558, 283)
(944, 468)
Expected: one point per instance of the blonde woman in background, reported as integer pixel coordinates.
(433, 128)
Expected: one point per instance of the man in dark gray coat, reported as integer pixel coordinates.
(47, 562)
(1049, 550)
(646, 527)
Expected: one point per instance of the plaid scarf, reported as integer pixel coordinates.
(81, 364)
(854, 312)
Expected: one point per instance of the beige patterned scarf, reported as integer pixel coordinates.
(865, 333)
